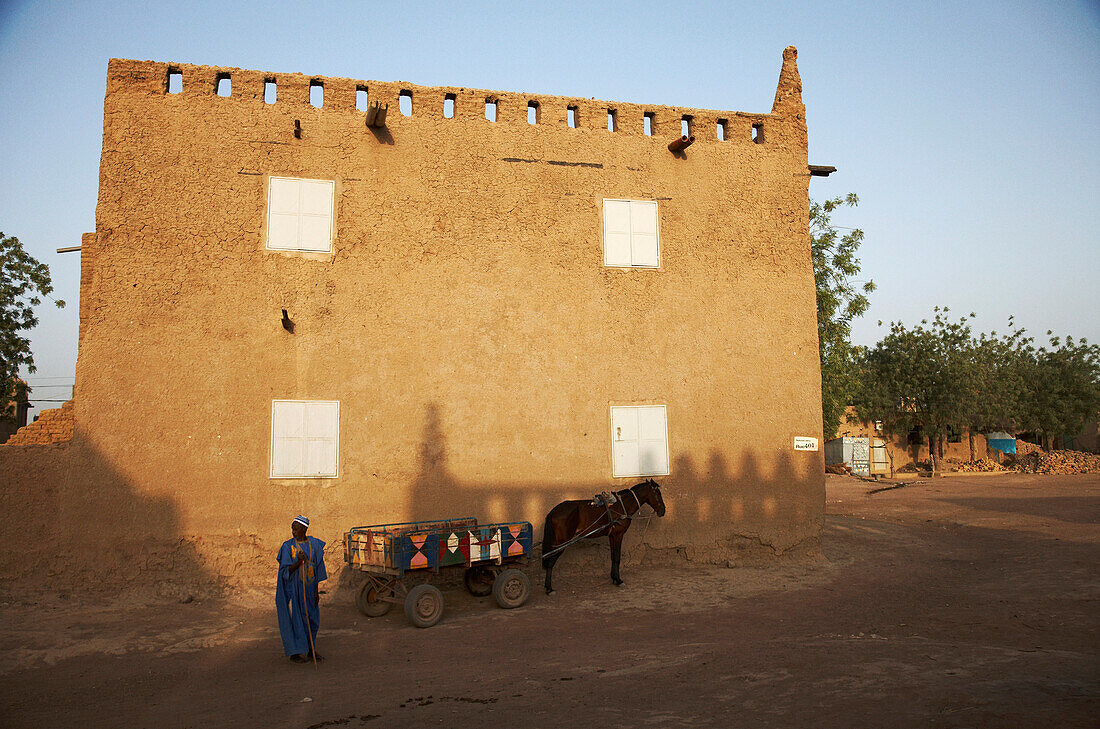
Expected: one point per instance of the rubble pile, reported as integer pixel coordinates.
(982, 465)
(1058, 462)
(1024, 448)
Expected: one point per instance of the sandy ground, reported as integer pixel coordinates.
(960, 602)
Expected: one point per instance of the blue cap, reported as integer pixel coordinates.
(302, 520)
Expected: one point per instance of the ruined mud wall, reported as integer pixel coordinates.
(465, 320)
(53, 426)
(32, 478)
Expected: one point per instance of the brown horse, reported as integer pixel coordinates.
(571, 521)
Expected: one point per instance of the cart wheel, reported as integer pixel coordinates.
(369, 603)
(511, 589)
(424, 606)
(479, 580)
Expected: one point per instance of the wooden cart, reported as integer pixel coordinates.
(386, 552)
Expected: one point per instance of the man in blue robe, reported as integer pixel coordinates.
(301, 568)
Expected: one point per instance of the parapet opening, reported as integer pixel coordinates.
(758, 132)
(270, 90)
(571, 116)
(612, 120)
(685, 124)
(647, 123)
(533, 112)
(405, 102)
(449, 106)
(721, 129)
(361, 100)
(223, 85)
(316, 92)
(491, 108)
(173, 82)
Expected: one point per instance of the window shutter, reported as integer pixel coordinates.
(299, 214)
(287, 452)
(652, 441)
(616, 233)
(639, 441)
(630, 235)
(643, 234)
(315, 225)
(282, 213)
(322, 438)
(624, 441)
(305, 439)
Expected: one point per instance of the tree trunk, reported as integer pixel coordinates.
(970, 435)
(932, 454)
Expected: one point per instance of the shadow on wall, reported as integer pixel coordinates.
(82, 528)
(715, 514)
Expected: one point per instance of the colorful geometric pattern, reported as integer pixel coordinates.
(395, 548)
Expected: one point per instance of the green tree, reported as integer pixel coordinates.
(1062, 387)
(840, 299)
(23, 283)
(922, 376)
(997, 390)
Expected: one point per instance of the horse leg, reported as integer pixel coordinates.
(616, 539)
(548, 565)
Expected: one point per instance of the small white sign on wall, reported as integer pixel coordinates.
(803, 443)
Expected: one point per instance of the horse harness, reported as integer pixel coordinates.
(612, 520)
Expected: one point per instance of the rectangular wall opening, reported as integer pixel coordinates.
(532, 112)
(405, 102)
(685, 124)
(491, 109)
(449, 106)
(270, 91)
(647, 123)
(316, 93)
(223, 85)
(612, 120)
(174, 83)
(720, 130)
(758, 132)
(361, 99)
(571, 116)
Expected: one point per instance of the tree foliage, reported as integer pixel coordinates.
(1062, 387)
(23, 283)
(939, 377)
(840, 299)
(919, 377)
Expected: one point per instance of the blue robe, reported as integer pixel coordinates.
(295, 601)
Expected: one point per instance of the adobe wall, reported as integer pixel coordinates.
(900, 452)
(465, 320)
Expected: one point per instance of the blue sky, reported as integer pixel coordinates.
(970, 131)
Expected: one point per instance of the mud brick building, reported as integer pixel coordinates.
(483, 304)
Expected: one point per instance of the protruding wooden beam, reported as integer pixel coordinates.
(71, 249)
(821, 170)
(376, 115)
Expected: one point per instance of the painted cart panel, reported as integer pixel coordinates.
(398, 548)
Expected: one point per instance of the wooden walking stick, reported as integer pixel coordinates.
(309, 630)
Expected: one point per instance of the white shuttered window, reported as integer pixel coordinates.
(639, 440)
(630, 237)
(305, 439)
(299, 214)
